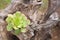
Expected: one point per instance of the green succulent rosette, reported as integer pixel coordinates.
(17, 22)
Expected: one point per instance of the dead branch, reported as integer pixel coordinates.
(52, 9)
(16, 5)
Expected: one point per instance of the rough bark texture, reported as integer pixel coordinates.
(44, 26)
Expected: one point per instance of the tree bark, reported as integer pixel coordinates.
(36, 30)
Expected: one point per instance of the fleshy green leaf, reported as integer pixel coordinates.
(15, 28)
(17, 31)
(20, 26)
(9, 19)
(23, 30)
(9, 27)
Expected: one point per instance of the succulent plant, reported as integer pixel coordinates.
(17, 22)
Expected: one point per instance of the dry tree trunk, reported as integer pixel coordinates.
(36, 30)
